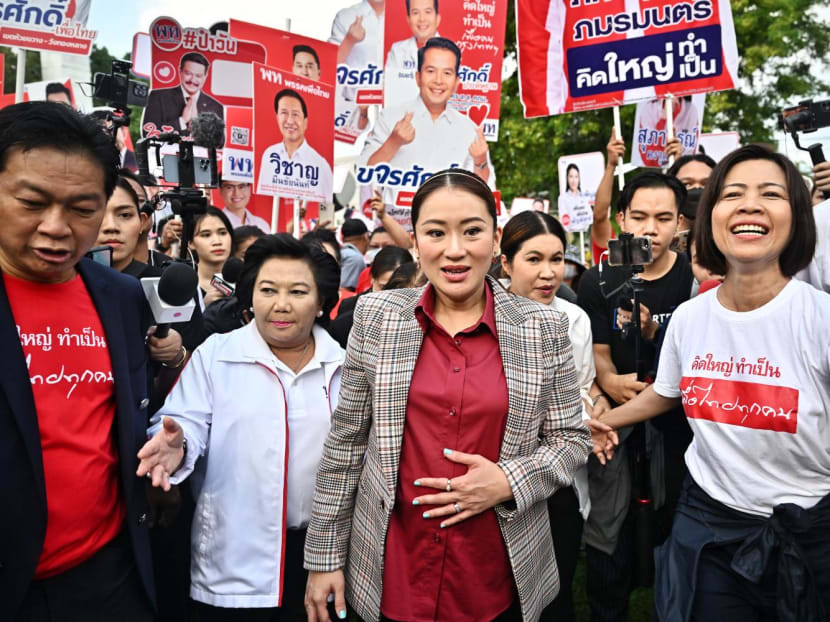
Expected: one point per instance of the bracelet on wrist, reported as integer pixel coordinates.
(596, 398)
(180, 363)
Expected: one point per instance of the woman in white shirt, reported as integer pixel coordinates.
(749, 362)
(533, 257)
(254, 406)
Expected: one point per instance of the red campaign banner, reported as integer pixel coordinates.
(746, 404)
(477, 27)
(583, 55)
(293, 143)
(47, 25)
(279, 51)
(215, 69)
(238, 153)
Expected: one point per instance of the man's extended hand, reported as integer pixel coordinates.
(162, 455)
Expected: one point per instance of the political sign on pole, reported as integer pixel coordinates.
(583, 54)
(478, 30)
(293, 146)
(579, 177)
(238, 152)
(47, 25)
(193, 72)
(719, 144)
(651, 132)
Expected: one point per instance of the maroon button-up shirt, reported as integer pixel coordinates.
(458, 400)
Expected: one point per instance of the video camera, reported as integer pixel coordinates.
(185, 169)
(119, 91)
(807, 117)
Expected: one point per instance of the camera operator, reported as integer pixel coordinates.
(648, 207)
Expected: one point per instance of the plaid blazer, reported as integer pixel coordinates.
(544, 443)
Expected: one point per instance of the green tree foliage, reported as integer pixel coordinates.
(33, 73)
(100, 60)
(779, 42)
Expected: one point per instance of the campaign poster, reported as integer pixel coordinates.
(583, 54)
(719, 144)
(527, 204)
(47, 25)
(194, 72)
(650, 135)
(293, 146)
(478, 30)
(579, 177)
(304, 56)
(238, 152)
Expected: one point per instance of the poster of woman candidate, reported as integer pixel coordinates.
(579, 177)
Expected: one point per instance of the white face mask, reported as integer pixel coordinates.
(370, 255)
(570, 271)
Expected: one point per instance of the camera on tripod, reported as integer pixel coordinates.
(119, 91)
(807, 117)
(629, 251)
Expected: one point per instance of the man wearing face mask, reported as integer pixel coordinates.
(355, 243)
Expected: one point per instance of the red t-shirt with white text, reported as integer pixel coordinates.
(71, 375)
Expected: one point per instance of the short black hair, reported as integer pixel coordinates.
(526, 225)
(194, 57)
(684, 160)
(651, 179)
(246, 232)
(440, 43)
(56, 87)
(127, 187)
(43, 125)
(454, 178)
(434, 5)
(405, 275)
(802, 245)
(290, 93)
(298, 49)
(389, 258)
(324, 236)
(323, 268)
(377, 230)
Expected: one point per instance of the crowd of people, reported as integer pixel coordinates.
(370, 424)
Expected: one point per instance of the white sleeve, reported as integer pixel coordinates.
(582, 344)
(190, 404)
(380, 132)
(338, 29)
(670, 368)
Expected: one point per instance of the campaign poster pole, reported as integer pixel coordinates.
(582, 247)
(297, 218)
(669, 124)
(275, 213)
(20, 78)
(618, 134)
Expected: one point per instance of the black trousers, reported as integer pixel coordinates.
(104, 587)
(566, 528)
(294, 581)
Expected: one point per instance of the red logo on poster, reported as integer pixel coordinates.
(477, 114)
(166, 34)
(164, 72)
(566, 220)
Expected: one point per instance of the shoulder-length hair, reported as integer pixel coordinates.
(799, 250)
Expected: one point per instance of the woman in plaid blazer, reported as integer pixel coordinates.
(359, 492)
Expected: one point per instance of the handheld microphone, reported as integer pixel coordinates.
(171, 296)
(231, 271)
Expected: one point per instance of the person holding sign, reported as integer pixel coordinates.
(402, 60)
(173, 109)
(293, 166)
(426, 134)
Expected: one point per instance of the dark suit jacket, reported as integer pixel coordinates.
(124, 315)
(164, 107)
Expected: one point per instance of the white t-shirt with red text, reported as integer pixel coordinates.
(755, 387)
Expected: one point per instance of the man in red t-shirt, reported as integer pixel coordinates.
(73, 388)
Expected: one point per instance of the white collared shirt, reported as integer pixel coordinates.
(368, 51)
(255, 433)
(249, 219)
(399, 86)
(305, 174)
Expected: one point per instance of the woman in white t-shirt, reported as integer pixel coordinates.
(750, 363)
(533, 257)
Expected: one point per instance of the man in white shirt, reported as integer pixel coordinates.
(358, 31)
(173, 109)
(292, 167)
(425, 132)
(399, 84)
(236, 196)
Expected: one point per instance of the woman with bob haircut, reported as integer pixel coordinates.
(533, 257)
(749, 363)
(247, 419)
(459, 415)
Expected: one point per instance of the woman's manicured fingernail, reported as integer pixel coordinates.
(341, 614)
(443, 525)
(447, 452)
(417, 483)
(425, 514)
(414, 502)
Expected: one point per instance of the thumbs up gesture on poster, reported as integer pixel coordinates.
(404, 131)
(356, 31)
(478, 150)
